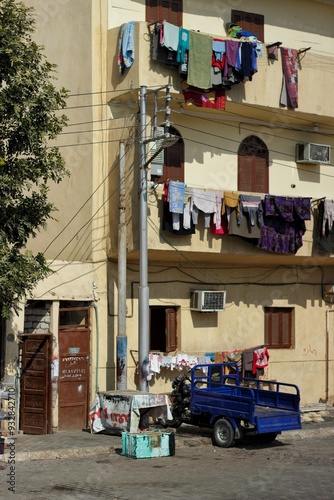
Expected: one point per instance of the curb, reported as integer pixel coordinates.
(180, 442)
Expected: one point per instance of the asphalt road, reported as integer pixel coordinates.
(286, 469)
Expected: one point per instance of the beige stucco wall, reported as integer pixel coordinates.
(81, 235)
(241, 325)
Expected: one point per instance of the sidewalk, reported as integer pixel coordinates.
(78, 443)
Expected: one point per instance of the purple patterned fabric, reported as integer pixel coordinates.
(284, 223)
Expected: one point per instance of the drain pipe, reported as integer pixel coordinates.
(94, 306)
(327, 352)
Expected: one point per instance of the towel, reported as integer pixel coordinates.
(170, 38)
(200, 59)
(128, 44)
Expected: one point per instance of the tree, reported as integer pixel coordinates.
(30, 117)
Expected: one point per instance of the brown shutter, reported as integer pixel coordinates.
(249, 22)
(286, 329)
(245, 173)
(164, 10)
(260, 174)
(171, 330)
(152, 11)
(278, 327)
(253, 160)
(174, 162)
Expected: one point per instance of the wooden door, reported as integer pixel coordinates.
(74, 369)
(36, 393)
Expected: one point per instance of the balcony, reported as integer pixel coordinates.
(262, 94)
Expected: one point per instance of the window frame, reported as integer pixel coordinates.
(249, 21)
(284, 317)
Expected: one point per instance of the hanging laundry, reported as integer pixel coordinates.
(128, 44)
(289, 94)
(170, 37)
(200, 58)
(183, 51)
(284, 223)
(272, 51)
(218, 62)
(120, 61)
(215, 99)
(176, 197)
(250, 205)
(231, 56)
(223, 229)
(261, 359)
(205, 201)
(328, 216)
(125, 56)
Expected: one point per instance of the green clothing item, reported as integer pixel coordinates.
(200, 60)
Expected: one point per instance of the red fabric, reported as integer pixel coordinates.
(203, 99)
(260, 359)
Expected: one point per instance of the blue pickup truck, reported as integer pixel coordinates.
(234, 406)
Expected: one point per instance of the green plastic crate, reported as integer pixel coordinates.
(149, 444)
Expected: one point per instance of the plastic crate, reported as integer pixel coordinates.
(149, 444)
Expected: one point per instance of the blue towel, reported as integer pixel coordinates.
(128, 44)
(176, 197)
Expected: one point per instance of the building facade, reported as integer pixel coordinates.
(239, 223)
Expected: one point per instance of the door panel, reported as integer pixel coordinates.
(35, 405)
(74, 373)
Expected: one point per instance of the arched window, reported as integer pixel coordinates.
(173, 169)
(253, 163)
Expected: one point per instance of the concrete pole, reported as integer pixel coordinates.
(122, 342)
(143, 330)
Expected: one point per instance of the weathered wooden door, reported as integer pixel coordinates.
(36, 394)
(74, 368)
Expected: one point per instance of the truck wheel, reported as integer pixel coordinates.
(223, 433)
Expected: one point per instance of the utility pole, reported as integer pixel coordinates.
(143, 332)
(165, 141)
(122, 341)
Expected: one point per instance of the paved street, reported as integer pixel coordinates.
(287, 469)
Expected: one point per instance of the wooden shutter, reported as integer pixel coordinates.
(278, 327)
(174, 162)
(164, 10)
(254, 23)
(171, 330)
(286, 329)
(253, 161)
(245, 173)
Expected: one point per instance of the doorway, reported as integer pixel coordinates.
(74, 367)
(35, 408)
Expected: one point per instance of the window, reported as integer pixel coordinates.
(163, 329)
(279, 322)
(173, 169)
(249, 22)
(253, 162)
(164, 10)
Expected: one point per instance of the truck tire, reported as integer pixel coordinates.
(223, 433)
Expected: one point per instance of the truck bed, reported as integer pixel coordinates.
(232, 397)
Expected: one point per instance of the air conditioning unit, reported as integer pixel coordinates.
(312, 153)
(157, 165)
(207, 301)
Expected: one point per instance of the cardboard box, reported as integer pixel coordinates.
(148, 444)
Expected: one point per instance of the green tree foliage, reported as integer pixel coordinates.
(30, 118)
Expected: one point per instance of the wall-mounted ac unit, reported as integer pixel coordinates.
(312, 153)
(207, 301)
